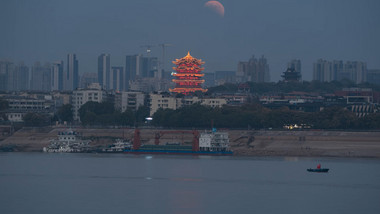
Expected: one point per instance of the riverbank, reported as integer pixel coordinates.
(243, 142)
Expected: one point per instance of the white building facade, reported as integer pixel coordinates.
(129, 100)
(81, 96)
(158, 101)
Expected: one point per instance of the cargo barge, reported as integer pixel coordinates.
(207, 143)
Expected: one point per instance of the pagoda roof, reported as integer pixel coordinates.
(188, 59)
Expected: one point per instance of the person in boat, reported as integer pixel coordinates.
(319, 166)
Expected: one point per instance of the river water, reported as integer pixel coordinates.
(118, 183)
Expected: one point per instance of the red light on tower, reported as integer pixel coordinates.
(188, 75)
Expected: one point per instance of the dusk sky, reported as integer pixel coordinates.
(281, 30)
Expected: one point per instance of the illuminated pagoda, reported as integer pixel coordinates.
(188, 75)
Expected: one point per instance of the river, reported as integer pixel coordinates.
(117, 183)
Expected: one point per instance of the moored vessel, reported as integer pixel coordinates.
(118, 147)
(207, 143)
(68, 141)
(318, 169)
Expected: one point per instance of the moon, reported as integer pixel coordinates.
(215, 6)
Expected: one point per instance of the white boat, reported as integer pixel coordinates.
(68, 141)
(119, 146)
(214, 141)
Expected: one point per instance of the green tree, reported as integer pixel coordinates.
(36, 119)
(65, 113)
(335, 118)
(128, 118)
(94, 113)
(370, 121)
(142, 113)
(4, 105)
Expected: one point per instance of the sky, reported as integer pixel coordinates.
(281, 30)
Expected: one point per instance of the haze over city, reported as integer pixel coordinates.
(190, 106)
(47, 31)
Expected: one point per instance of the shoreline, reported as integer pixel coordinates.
(255, 143)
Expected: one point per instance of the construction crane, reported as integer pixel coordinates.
(148, 48)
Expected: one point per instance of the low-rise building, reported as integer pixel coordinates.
(93, 93)
(129, 100)
(356, 95)
(19, 104)
(158, 101)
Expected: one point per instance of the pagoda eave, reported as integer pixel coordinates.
(181, 90)
(195, 81)
(188, 75)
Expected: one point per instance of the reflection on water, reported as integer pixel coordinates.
(294, 159)
(117, 183)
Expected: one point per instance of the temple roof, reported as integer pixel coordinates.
(188, 59)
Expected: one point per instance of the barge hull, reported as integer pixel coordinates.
(168, 152)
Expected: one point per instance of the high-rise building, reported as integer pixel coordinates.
(295, 65)
(57, 76)
(373, 76)
(13, 77)
(138, 66)
(88, 78)
(222, 77)
(104, 69)
(117, 78)
(209, 78)
(355, 71)
(327, 71)
(337, 69)
(255, 70)
(322, 71)
(22, 75)
(40, 77)
(72, 73)
(150, 67)
(5, 70)
(132, 68)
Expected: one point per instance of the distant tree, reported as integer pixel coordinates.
(335, 118)
(94, 113)
(65, 113)
(128, 118)
(142, 113)
(36, 119)
(370, 121)
(4, 105)
(286, 87)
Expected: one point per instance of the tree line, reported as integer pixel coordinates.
(255, 116)
(104, 114)
(286, 87)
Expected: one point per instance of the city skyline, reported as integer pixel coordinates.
(281, 31)
(141, 74)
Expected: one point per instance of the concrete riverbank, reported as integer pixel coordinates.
(243, 142)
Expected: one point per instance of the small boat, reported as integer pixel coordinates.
(318, 170)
